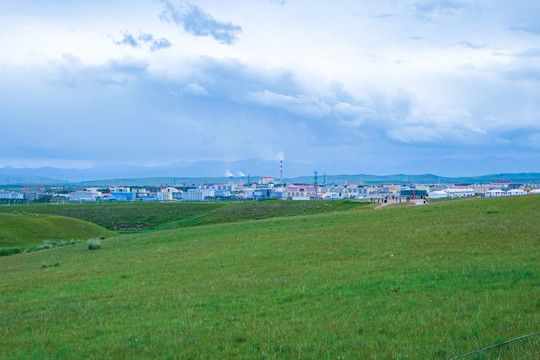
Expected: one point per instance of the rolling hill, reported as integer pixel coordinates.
(147, 216)
(17, 229)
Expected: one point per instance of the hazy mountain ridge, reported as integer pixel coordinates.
(449, 170)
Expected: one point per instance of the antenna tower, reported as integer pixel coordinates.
(315, 185)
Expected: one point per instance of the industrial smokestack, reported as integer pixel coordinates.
(281, 172)
(230, 176)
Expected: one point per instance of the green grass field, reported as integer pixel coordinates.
(145, 216)
(20, 230)
(425, 282)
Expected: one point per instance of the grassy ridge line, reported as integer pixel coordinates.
(120, 216)
(234, 212)
(144, 216)
(400, 283)
(31, 229)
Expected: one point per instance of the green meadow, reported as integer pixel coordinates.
(21, 231)
(149, 216)
(341, 281)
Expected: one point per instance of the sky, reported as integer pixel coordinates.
(154, 82)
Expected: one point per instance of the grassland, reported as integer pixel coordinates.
(148, 216)
(424, 282)
(21, 230)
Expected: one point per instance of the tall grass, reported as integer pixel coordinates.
(93, 244)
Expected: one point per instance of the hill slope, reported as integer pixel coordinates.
(424, 282)
(144, 216)
(32, 229)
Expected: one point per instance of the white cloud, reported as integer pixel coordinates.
(346, 109)
(279, 156)
(306, 77)
(533, 140)
(196, 89)
(415, 134)
(302, 105)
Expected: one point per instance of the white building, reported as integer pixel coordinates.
(460, 192)
(516, 192)
(120, 189)
(441, 194)
(94, 190)
(6, 195)
(169, 194)
(82, 196)
(265, 180)
(198, 194)
(495, 193)
(331, 196)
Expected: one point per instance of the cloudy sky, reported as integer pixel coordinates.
(151, 82)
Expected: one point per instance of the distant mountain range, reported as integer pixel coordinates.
(459, 167)
(447, 170)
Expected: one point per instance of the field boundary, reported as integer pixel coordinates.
(523, 355)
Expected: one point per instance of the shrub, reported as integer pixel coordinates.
(45, 266)
(94, 244)
(47, 244)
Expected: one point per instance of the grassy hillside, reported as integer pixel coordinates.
(258, 210)
(121, 216)
(21, 230)
(143, 216)
(423, 282)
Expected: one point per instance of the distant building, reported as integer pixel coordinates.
(222, 187)
(148, 198)
(331, 196)
(495, 193)
(5, 195)
(417, 193)
(351, 191)
(32, 195)
(438, 194)
(302, 192)
(262, 194)
(265, 180)
(82, 196)
(198, 194)
(120, 189)
(123, 196)
(457, 192)
(222, 194)
(164, 196)
(516, 192)
(169, 194)
(501, 184)
(94, 190)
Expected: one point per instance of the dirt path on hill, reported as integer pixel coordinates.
(390, 202)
